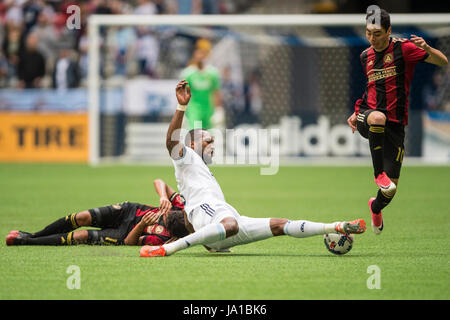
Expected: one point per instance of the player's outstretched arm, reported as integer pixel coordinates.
(173, 144)
(435, 56)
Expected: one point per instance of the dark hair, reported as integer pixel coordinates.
(385, 19)
(192, 135)
(175, 223)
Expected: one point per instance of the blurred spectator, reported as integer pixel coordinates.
(255, 93)
(120, 7)
(14, 13)
(125, 40)
(210, 6)
(31, 10)
(145, 7)
(83, 55)
(253, 98)
(31, 66)
(47, 35)
(3, 71)
(184, 6)
(102, 7)
(147, 51)
(147, 44)
(12, 46)
(66, 73)
(160, 6)
(436, 92)
(232, 98)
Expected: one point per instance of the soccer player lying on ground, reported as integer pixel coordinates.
(382, 113)
(122, 224)
(211, 217)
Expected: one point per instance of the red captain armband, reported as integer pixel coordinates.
(357, 105)
(177, 200)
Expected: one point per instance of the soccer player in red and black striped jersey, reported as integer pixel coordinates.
(121, 224)
(382, 113)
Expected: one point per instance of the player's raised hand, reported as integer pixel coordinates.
(419, 42)
(352, 122)
(164, 205)
(183, 92)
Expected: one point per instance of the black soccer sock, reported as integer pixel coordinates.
(64, 239)
(63, 225)
(376, 143)
(380, 202)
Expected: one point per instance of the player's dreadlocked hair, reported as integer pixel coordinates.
(175, 223)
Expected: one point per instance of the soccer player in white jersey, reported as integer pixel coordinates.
(213, 220)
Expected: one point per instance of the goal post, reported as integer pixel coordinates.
(436, 24)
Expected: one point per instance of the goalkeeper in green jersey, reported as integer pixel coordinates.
(204, 81)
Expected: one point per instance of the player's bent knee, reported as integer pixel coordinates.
(231, 226)
(277, 226)
(376, 117)
(80, 236)
(84, 219)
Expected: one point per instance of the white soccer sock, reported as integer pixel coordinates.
(210, 233)
(303, 228)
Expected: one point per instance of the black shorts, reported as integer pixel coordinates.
(115, 221)
(394, 148)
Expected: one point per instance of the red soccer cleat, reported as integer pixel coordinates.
(152, 251)
(347, 227)
(387, 187)
(377, 219)
(11, 237)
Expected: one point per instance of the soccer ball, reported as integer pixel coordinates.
(338, 243)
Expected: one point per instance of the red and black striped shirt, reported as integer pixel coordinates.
(389, 74)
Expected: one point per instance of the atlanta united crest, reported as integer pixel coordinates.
(159, 229)
(388, 58)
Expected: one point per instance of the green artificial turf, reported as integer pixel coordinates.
(412, 253)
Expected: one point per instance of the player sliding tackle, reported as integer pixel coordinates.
(215, 222)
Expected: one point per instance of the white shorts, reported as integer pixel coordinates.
(211, 212)
(250, 230)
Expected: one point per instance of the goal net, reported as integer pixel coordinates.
(288, 84)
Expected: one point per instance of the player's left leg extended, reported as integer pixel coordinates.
(393, 159)
(304, 228)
